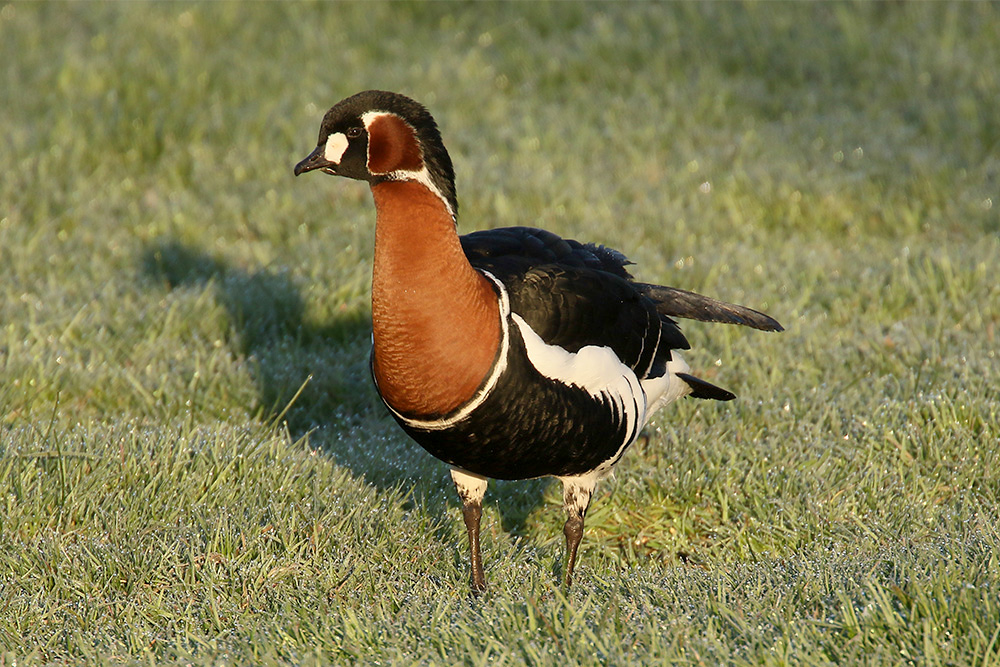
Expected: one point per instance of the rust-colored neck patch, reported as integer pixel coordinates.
(435, 319)
(392, 146)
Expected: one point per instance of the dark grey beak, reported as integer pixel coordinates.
(316, 160)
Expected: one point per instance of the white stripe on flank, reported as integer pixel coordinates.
(596, 370)
(482, 394)
(652, 357)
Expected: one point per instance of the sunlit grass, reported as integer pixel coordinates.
(196, 470)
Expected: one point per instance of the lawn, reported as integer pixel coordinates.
(194, 466)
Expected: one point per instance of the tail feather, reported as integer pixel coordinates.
(702, 389)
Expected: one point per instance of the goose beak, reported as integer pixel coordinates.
(316, 160)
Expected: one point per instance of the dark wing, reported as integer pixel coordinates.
(540, 246)
(537, 246)
(573, 295)
(675, 302)
(573, 308)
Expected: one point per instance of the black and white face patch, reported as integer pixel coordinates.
(342, 153)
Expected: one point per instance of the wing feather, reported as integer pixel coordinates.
(574, 295)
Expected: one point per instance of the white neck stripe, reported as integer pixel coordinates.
(424, 178)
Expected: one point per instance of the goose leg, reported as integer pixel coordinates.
(471, 489)
(576, 497)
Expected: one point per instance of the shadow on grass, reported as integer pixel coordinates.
(338, 407)
(268, 325)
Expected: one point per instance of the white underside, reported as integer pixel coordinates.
(667, 388)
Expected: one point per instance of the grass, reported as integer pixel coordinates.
(195, 468)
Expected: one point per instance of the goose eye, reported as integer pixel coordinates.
(354, 132)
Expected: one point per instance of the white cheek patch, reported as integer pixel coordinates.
(336, 144)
